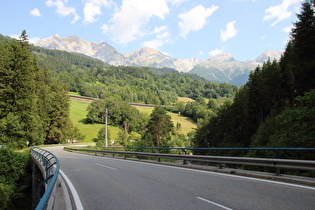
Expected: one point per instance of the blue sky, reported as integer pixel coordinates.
(178, 28)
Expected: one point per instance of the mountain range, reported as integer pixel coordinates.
(219, 68)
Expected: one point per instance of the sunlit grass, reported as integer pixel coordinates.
(185, 99)
(186, 124)
(78, 114)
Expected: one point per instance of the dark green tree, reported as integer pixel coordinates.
(159, 127)
(34, 105)
(301, 66)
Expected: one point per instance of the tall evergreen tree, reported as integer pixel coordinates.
(301, 46)
(34, 105)
(159, 126)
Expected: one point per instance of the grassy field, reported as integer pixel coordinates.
(186, 124)
(185, 99)
(78, 113)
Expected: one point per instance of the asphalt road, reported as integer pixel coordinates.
(109, 183)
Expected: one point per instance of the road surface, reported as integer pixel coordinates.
(110, 183)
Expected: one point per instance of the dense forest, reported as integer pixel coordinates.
(276, 107)
(34, 106)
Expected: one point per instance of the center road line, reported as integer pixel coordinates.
(214, 203)
(106, 166)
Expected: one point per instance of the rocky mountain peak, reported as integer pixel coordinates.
(221, 68)
(222, 57)
(268, 54)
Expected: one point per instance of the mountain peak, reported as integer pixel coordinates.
(268, 54)
(222, 58)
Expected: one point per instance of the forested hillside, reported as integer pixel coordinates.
(91, 77)
(276, 107)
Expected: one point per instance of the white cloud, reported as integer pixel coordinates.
(32, 40)
(195, 19)
(200, 52)
(92, 8)
(287, 29)
(155, 44)
(176, 2)
(35, 12)
(215, 52)
(127, 23)
(62, 9)
(163, 35)
(229, 32)
(279, 12)
(159, 29)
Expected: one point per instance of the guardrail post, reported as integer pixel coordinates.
(159, 159)
(185, 162)
(278, 172)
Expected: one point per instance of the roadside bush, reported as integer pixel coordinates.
(13, 165)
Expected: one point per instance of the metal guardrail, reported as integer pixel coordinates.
(49, 165)
(308, 165)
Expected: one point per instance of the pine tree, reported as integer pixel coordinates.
(159, 125)
(303, 40)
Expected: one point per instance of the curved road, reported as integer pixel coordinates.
(109, 183)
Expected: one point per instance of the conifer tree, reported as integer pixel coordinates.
(301, 51)
(159, 125)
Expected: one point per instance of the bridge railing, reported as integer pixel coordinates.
(49, 166)
(276, 163)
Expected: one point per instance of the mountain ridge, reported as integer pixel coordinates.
(219, 68)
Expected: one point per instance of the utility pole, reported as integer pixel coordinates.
(106, 115)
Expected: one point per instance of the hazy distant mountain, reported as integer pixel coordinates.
(224, 68)
(219, 68)
(151, 57)
(269, 54)
(102, 51)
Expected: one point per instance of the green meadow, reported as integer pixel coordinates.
(78, 112)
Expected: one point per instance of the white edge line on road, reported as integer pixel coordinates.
(214, 203)
(73, 191)
(106, 166)
(213, 173)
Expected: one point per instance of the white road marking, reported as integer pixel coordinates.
(73, 192)
(214, 203)
(213, 173)
(106, 166)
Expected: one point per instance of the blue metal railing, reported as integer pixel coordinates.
(51, 165)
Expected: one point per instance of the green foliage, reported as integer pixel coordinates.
(121, 114)
(159, 127)
(13, 166)
(91, 77)
(100, 140)
(34, 104)
(270, 109)
(293, 127)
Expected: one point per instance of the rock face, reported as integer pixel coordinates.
(224, 68)
(102, 51)
(219, 68)
(151, 57)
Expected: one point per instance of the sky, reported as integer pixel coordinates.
(178, 28)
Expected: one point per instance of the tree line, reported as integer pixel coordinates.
(91, 77)
(34, 106)
(275, 108)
